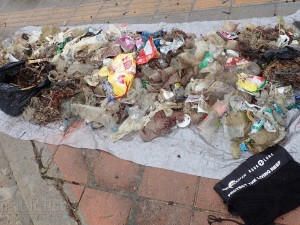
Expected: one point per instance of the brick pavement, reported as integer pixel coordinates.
(106, 190)
(103, 189)
(67, 12)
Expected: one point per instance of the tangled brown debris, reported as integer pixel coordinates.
(253, 41)
(47, 107)
(29, 77)
(284, 72)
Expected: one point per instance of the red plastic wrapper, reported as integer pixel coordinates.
(231, 61)
(147, 53)
(227, 35)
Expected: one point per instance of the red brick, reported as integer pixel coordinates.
(207, 198)
(168, 186)
(74, 192)
(98, 207)
(291, 218)
(114, 173)
(151, 212)
(200, 218)
(71, 163)
(175, 6)
(206, 4)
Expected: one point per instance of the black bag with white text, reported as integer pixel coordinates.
(264, 187)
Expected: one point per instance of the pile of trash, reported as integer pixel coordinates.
(243, 78)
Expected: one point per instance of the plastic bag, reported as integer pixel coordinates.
(160, 125)
(146, 35)
(240, 65)
(13, 99)
(126, 42)
(237, 124)
(173, 46)
(78, 44)
(147, 53)
(209, 125)
(207, 60)
(10, 70)
(231, 44)
(287, 52)
(227, 35)
(122, 72)
(219, 89)
(185, 60)
(93, 79)
(250, 83)
(115, 30)
(48, 33)
(81, 68)
(95, 114)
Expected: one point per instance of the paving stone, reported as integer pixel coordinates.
(208, 15)
(113, 9)
(97, 207)
(142, 8)
(74, 192)
(46, 152)
(64, 3)
(207, 198)
(283, 9)
(170, 18)
(133, 20)
(168, 186)
(175, 6)
(200, 218)
(208, 4)
(3, 4)
(44, 202)
(252, 11)
(159, 213)
(252, 2)
(17, 5)
(72, 165)
(48, 4)
(117, 174)
(86, 13)
(291, 218)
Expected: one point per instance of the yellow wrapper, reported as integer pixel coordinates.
(122, 72)
(250, 82)
(103, 72)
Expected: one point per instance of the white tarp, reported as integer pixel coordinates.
(182, 151)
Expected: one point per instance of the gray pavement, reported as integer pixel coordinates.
(26, 198)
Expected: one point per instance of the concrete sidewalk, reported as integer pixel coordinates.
(96, 188)
(15, 13)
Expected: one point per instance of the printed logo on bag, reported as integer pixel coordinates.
(233, 182)
(261, 163)
(259, 167)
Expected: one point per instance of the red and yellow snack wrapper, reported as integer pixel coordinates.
(121, 74)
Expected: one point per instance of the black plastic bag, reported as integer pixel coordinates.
(13, 99)
(263, 188)
(9, 71)
(287, 52)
